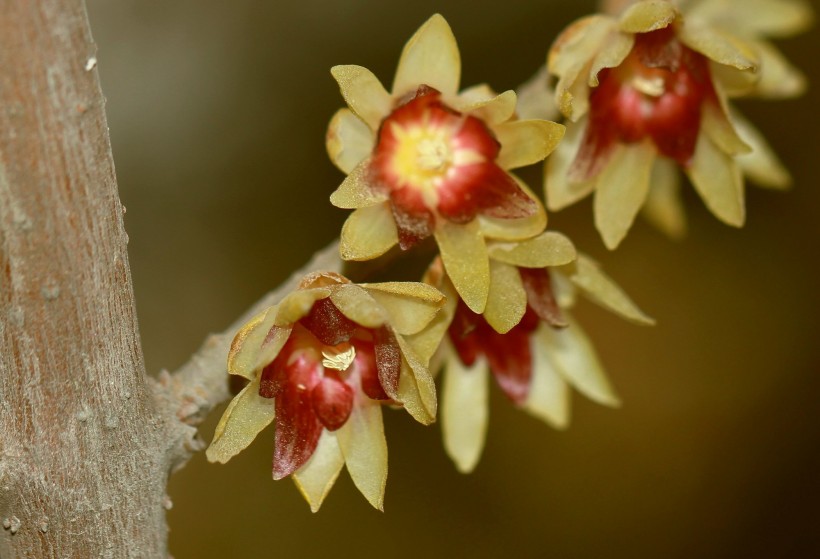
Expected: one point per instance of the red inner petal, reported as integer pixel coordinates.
(622, 108)
(332, 400)
(388, 360)
(538, 285)
(509, 355)
(414, 221)
(297, 427)
(328, 324)
(365, 363)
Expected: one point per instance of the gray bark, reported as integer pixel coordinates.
(87, 441)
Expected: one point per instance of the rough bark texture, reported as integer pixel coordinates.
(87, 441)
(82, 460)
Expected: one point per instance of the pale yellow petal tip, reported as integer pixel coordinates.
(215, 455)
(646, 16)
(430, 57)
(466, 466)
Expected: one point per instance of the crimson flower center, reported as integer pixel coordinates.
(437, 163)
(657, 92)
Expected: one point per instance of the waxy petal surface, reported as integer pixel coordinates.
(348, 141)
(247, 414)
(464, 254)
(547, 249)
(507, 301)
(717, 178)
(465, 411)
(602, 290)
(318, 475)
(364, 447)
(525, 142)
(363, 93)
(430, 58)
(356, 190)
(368, 233)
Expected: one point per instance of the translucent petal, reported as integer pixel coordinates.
(778, 77)
(368, 233)
(549, 397)
(507, 301)
(411, 306)
(576, 360)
(363, 93)
(717, 179)
(719, 46)
(646, 16)
(720, 130)
(494, 110)
(536, 98)
(621, 190)
(315, 478)
(602, 290)
(774, 18)
(247, 414)
(664, 207)
(273, 344)
(356, 304)
(349, 141)
(355, 191)
(524, 142)
(426, 342)
(431, 58)
(618, 47)
(569, 59)
(464, 254)
(464, 411)
(417, 390)
(364, 447)
(547, 249)
(560, 192)
(244, 353)
(297, 304)
(518, 228)
(761, 165)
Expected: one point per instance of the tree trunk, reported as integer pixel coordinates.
(83, 449)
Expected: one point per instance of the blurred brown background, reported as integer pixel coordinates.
(218, 112)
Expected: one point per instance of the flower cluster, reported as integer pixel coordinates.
(644, 92)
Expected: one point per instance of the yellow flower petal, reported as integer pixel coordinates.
(647, 15)
(247, 414)
(547, 249)
(244, 353)
(717, 179)
(618, 47)
(363, 93)
(298, 303)
(273, 344)
(664, 206)
(549, 397)
(417, 390)
(569, 59)
(778, 77)
(318, 475)
(761, 165)
(431, 58)
(576, 360)
(602, 290)
(464, 254)
(516, 229)
(464, 411)
(426, 342)
(719, 46)
(507, 301)
(410, 305)
(349, 141)
(356, 304)
(356, 191)
(773, 18)
(720, 130)
(496, 109)
(364, 447)
(536, 99)
(559, 191)
(524, 142)
(368, 233)
(621, 191)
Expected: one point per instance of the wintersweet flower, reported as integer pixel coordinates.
(646, 92)
(425, 160)
(321, 364)
(526, 340)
